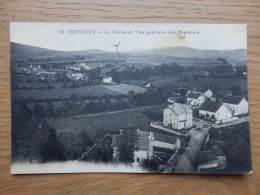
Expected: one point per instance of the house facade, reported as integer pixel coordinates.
(238, 105)
(195, 98)
(178, 116)
(215, 110)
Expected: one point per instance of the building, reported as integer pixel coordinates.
(146, 143)
(177, 116)
(166, 141)
(212, 159)
(195, 98)
(215, 110)
(237, 104)
(218, 97)
(107, 79)
(171, 100)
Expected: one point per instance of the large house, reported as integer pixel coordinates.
(195, 98)
(215, 110)
(237, 104)
(177, 116)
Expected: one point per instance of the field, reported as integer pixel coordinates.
(92, 91)
(124, 88)
(113, 121)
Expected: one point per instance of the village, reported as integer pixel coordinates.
(183, 123)
(155, 112)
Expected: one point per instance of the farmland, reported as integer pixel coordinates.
(113, 121)
(61, 93)
(124, 88)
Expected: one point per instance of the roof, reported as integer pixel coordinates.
(217, 151)
(210, 106)
(193, 95)
(224, 92)
(143, 133)
(232, 99)
(180, 109)
(115, 141)
(165, 138)
(207, 156)
(143, 143)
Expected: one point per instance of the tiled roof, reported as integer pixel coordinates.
(232, 99)
(180, 109)
(210, 106)
(165, 138)
(143, 133)
(207, 156)
(143, 143)
(193, 95)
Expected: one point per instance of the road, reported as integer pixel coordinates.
(185, 163)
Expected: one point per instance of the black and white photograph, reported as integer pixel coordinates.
(129, 98)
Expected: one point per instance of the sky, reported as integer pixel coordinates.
(75, 36)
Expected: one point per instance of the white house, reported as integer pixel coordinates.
(208, 93)
(238, 105)
(107, 79)
(171, 100)
(195, 98)
(177, 116)
(215, 109)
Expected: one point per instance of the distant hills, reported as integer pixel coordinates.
(235, 57)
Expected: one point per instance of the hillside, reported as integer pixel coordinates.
(181, 55)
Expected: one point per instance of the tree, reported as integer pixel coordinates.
(52, 150)
(127, 145)
(150, 165)
(50, 109)
(39, 111)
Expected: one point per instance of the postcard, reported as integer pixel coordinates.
(129, 98)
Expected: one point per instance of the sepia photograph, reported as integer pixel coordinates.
(129, 98)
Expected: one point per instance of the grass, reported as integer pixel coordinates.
(111, 122)
(124, 88)
(93, 91)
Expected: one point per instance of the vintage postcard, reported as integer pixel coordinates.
(135, 98)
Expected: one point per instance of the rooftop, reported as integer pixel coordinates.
(210, 106)
(165, 138)
(194, 95)
(232, 99)
(143, 143)
(115, 141)
(207, 156)
(180, 109)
